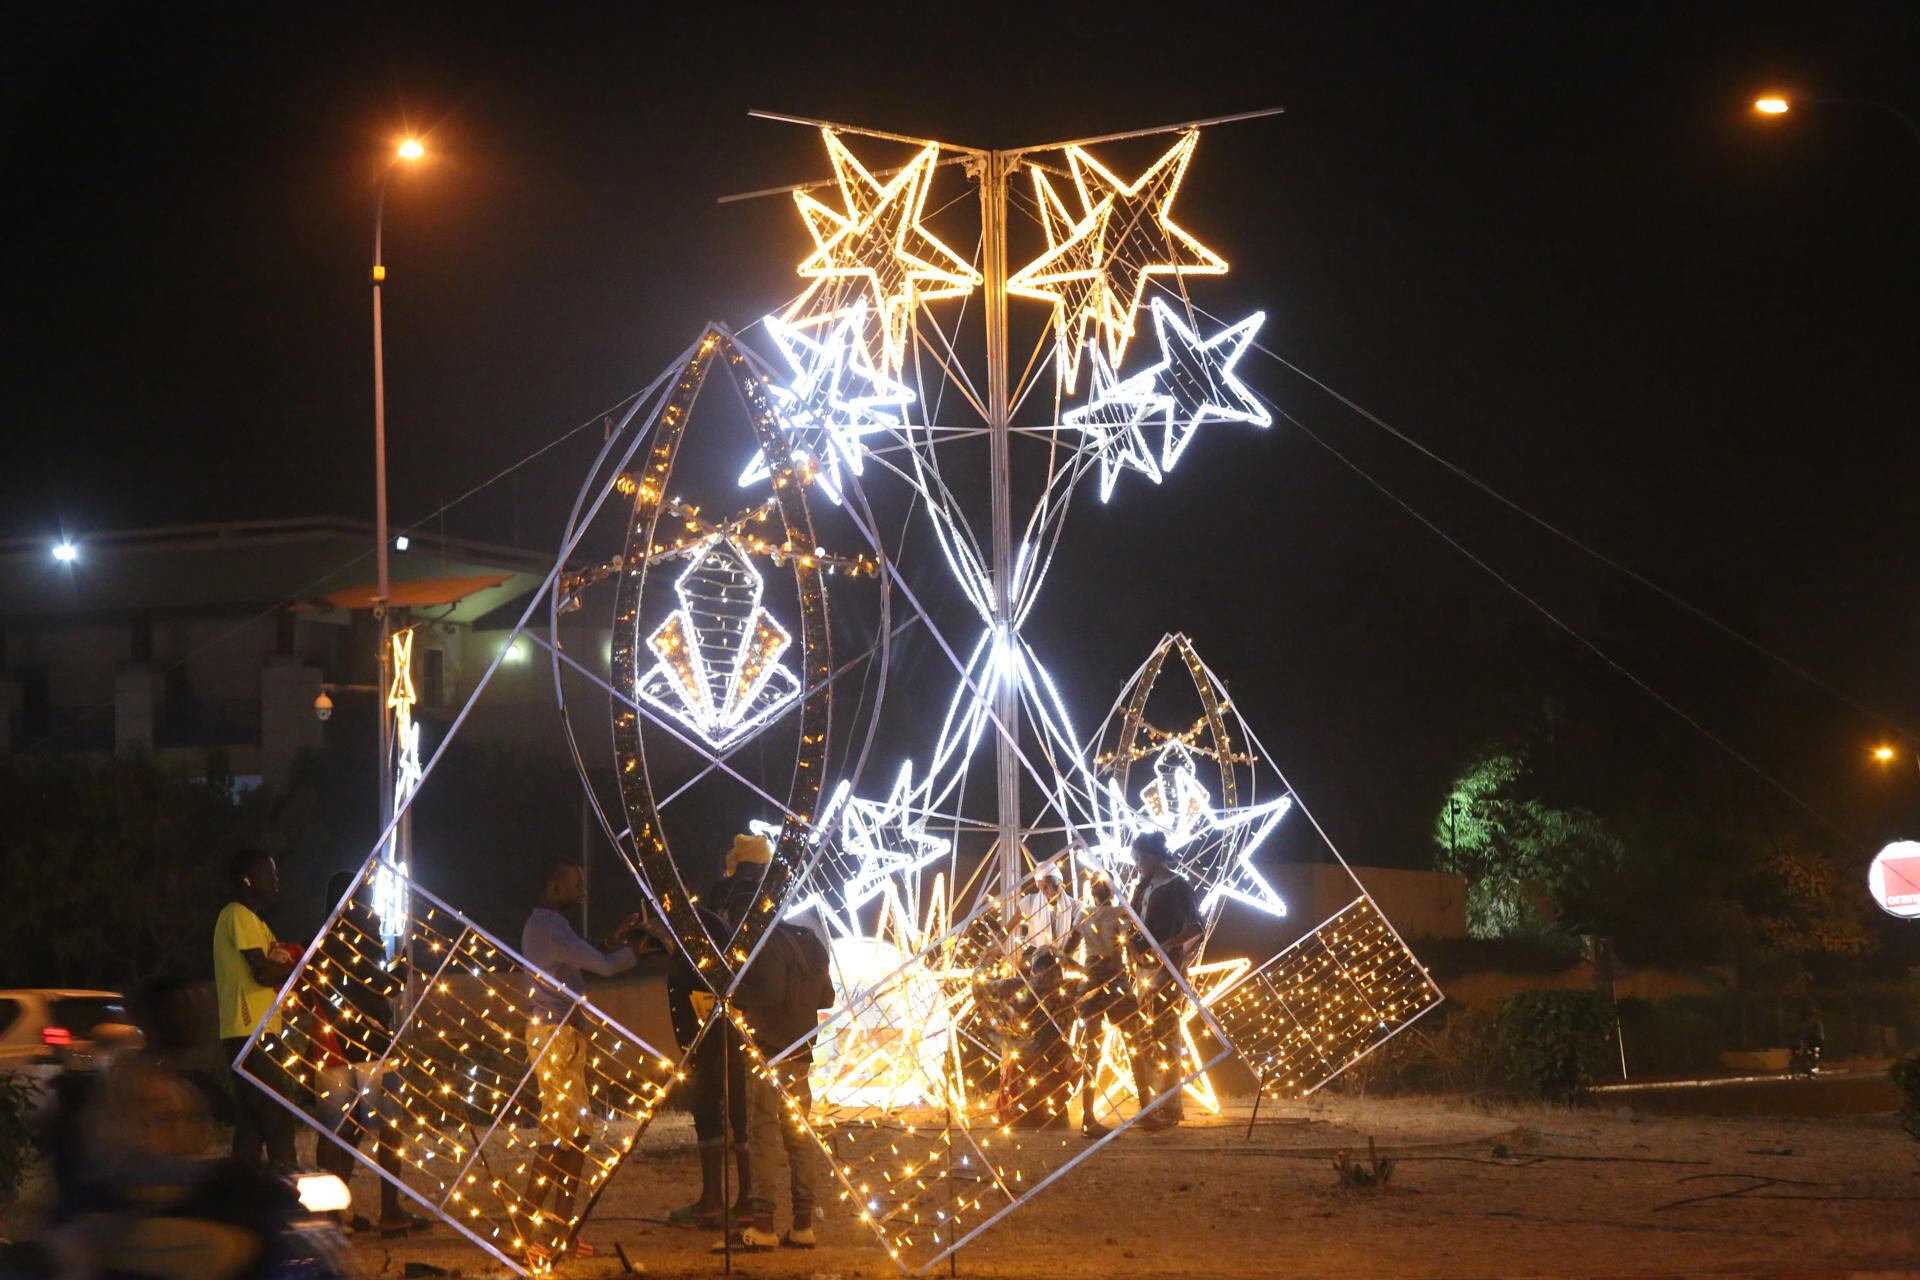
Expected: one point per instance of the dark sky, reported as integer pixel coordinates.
(1547, 241)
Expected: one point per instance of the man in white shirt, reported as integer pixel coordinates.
(559, 1051)
(1047, 915)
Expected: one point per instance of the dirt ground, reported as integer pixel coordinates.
(1584, 1192)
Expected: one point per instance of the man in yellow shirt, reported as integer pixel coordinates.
(249, 965)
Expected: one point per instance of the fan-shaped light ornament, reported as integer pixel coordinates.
(718, 670)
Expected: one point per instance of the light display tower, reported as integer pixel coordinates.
(982, 1024)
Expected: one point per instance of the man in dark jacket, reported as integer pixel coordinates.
(780, 997)
(1170, 914)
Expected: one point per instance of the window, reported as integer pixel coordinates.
(81, 1014)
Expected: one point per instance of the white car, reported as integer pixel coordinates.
(46, 1030)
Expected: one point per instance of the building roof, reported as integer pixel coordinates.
(255, 564)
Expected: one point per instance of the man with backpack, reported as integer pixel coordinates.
(780, 996)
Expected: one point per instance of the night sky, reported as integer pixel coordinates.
(1551, 243)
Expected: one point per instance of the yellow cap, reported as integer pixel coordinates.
(749, 849)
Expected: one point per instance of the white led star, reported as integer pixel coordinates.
(719, 670)
(1115, 419)
(835, 398)
(1216, 849)
(1200, 377)
(887, 842)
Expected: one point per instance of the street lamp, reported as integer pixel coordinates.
(409, 152)
(65, 552)
(1884, 754)
(1780, 104)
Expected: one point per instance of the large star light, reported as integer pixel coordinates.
(1194, 383)
(1069, 274)
(883, 840)
(1115, 420)
(1124, 236)
(718, 670)
(1201, 379)
(835, 398)
(874, 246)
(1216, 849)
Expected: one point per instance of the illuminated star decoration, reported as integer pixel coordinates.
(1069, 274)
(875, 245)
(719, 670)
(1216, 849)
(1114, 419)
(1097, 266)
(1201, 379)
(1113, 1073)
(389, 890)
(836, 397)
(884, 839)
(1193, 383)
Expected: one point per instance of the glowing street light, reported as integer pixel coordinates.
(1884, 754)
(411, 149)
(65, 552)
(1772, 105)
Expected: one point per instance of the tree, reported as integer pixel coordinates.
(1516, 849)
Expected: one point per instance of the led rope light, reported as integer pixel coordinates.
(875, 247)
(1097, 265)
(389, 886)
(825, 413)
(1194, 383)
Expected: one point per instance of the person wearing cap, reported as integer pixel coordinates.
(754, 852)
(1170, 914)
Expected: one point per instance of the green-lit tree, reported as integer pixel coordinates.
(1523, 857)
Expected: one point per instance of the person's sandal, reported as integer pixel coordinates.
(799, 1238)
(405, 1225)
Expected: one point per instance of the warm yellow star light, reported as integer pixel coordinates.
(1113, 1075)
(400, 696)
(1069, 274)
(1137, 239)
(876, 244)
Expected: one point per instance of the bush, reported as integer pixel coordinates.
(1551, 1044)
(1671, 1037)
(1905, 1074)
(17, 1094)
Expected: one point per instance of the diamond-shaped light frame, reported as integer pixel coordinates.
(988, 1115)
(1326, 1002)
(462, 1069)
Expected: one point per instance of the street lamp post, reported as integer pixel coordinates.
(1780, 104)
(408, 151)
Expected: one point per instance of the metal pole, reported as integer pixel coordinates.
(995, 166)
(385, 769)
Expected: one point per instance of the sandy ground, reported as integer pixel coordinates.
(1584, 1192)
